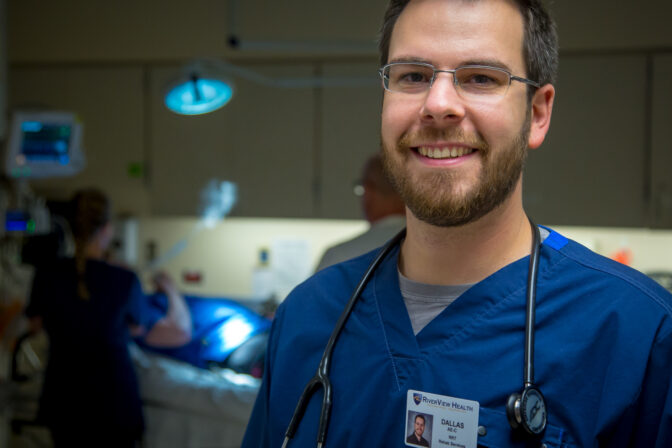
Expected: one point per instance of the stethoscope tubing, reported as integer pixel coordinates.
(532, 274)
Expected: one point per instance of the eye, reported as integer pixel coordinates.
(414, 76)
(410, 75)
(478, 78)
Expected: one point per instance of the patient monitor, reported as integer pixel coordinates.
(44, 144)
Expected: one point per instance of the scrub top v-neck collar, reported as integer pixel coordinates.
(449, 325)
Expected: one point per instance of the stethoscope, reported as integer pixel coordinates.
(525, 411)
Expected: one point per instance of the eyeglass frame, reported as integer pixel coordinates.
(381, 72)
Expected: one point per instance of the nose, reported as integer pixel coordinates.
(443, 104)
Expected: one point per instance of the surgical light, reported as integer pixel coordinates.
(198, 95)
(205, 86)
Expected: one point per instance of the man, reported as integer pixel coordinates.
(418, 429)
(383, 208)
(454, 137)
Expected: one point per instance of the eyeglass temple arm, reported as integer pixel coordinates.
(526, 81)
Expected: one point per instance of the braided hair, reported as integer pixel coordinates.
(91, 211)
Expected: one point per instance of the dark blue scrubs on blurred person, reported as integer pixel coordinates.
(90, 395)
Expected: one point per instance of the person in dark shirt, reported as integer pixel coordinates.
(89, 309)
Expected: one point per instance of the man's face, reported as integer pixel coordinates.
(419, 426)
(487, 140)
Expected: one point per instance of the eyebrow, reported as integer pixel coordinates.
(488, 62)
(409, 59)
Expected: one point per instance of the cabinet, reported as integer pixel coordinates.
(263, 140)
(661, 142)
(350, 133)
(593, 168)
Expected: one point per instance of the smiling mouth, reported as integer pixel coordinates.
(444, 153)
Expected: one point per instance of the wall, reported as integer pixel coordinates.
(296, 152)
(163, 30)
(3, 68)
(226, 255)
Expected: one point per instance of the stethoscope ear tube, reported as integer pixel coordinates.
(532, 275)
(321, 377)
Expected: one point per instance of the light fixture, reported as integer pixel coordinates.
(196, 94)
(205, 86)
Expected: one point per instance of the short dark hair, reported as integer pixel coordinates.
(540, 41)
(417, 416)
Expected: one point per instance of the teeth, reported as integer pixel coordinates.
(444, 153)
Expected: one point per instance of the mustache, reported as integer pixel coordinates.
(457, 135)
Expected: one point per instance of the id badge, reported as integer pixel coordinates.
(440, 421)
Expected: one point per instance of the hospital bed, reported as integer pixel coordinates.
(198, 396)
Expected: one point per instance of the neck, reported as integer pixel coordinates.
(94, 251)
(468, 253)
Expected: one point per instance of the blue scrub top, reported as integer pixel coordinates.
(603, 356)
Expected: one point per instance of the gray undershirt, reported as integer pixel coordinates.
(424, 301)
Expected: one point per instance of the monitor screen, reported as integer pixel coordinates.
(44, 144)
(19, 221)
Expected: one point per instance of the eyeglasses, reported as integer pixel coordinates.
(472, 82)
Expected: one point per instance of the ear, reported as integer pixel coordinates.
(542, 107)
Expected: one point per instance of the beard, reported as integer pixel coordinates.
(435, 198)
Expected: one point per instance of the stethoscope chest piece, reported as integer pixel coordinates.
(527, 411)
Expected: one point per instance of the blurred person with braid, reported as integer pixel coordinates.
(90, 309)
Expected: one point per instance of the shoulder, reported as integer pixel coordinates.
(601, 277)
(58, 265)
(112, 277)
(347, 249)
(322, 297)
(57, 272)
(333, 279)
(377, 235)
(112, 269)
(394, 222)
(305, 320)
